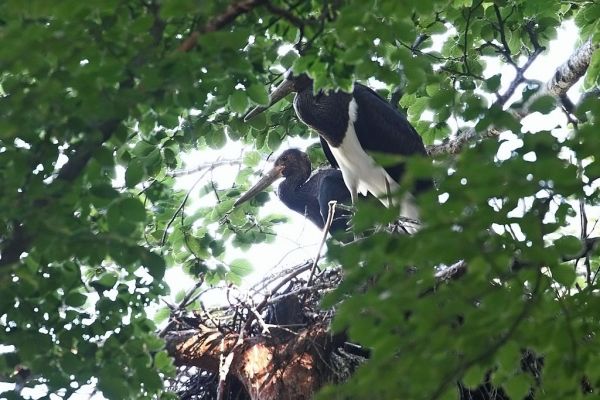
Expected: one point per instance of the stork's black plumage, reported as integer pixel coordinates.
(307, 195)
(352, 124)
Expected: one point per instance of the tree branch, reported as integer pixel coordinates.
(563, 79)
(455, 271)
(456, 145)
(505, 50)
(287, 15)
(572, 70)
(21, 240)
(230, 14)
(201, 167)
(82, 154)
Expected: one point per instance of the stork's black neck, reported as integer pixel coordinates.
(325, 113)
(293, 193)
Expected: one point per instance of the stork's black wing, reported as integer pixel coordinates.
(328, 153)
(332, 187)
(382, 128)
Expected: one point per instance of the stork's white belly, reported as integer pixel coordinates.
(362, 174)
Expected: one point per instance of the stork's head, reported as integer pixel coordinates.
(291, 83)
(291, 163)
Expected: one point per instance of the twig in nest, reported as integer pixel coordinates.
(263, 303)
(328, 223)
(225, 364)
(253, 310)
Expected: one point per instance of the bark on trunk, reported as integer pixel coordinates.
(270, 367)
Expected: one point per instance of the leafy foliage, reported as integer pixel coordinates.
(99, 99)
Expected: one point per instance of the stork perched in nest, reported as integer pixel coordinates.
(304, 193)
(350, 126)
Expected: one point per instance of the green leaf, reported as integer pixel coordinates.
(75, 299)
(238, 102)
(238, 268)
(564, 274)
(134, 173)
(258, 94)
(132, 209)
(474, 376)
(162, 360)
(543, 104)
(568, 245)
(288, 59)
(104, 191)
(106, 281)
(113, 387)
(492, 84)
(517, 387)
(155, 264)
(162, 314)
(252, 158)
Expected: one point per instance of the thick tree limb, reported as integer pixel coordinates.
(81, 155)
(456, 145)
(11, 250)
(268, 368)
(455, 271)
(286, 15)
(21, 240)
(572, 70)
(563, 79)
(233, 11)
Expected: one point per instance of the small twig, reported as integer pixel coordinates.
(326, 228)
(501, 30)
(166, 232)
(261, 321)
(216, 324)
(278, 275)
(583, 226)
(201, 167)
(288, 16)
(224, 366)
(263, 303)
(466, 49)
(302, 290)
(186, 299)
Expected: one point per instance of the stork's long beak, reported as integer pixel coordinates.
(264, 182)
(286, 87)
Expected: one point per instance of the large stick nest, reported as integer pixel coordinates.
(283, 309)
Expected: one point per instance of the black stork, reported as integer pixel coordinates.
(349, 125)
(307, 195)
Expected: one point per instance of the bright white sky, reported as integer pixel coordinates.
(298, 239)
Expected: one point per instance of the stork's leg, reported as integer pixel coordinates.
(388, 192)
(410, 211)
(354, 197)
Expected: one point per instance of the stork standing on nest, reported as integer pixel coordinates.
(307, 195)
(350, 125)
